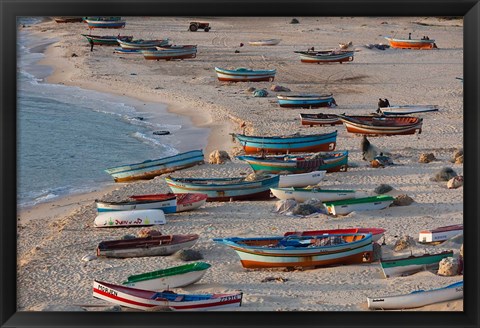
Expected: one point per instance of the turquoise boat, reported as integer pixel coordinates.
(225, 189)
(411, 264)
(343, 207)
(243, 74)
(101, 23)
(152, 168)
(321, 161)
(106, 40)
(306, 100)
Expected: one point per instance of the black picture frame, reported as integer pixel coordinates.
(469, 9)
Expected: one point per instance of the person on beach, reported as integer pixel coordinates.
(409, 36)
(91, 44)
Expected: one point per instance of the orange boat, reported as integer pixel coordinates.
(382, 126)
(411, 43)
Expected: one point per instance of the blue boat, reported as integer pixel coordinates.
(288, 144)
(243, 74)
(152, 168)
(225, 189)
(105, 23)
(306, 100)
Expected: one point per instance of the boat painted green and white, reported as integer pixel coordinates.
(303, 194)
(344, 207)
(407, 265)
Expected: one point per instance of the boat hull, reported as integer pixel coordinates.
(134, 218)
(105, 24)
(411, 264)
(370, 125)
(408, 110)
(358, 204)
(185, 202)
(377, 233)
(305, 101)
(326, 57)
(302, 195)
(168, 54)
(411, 44)
(440, 234)
(270, 42)
(320, 119)
(167, 206)
(244, 75)
(301, 180)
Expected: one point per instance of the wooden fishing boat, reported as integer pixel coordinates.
(377, 233)
(185, 202)
(301, 251)
(287, 144)
(440, 234)
(173, 277)
(382, 126)
(320, 119)
(327, 56)
(107, 40)
(225, 189)
(407, 109)
(143, 44)
(411, 44)
(303, 194)
(344, 207)
(167, 205)
(173, 52)
(133, 218)
(152, 168)
(149, 300)
(128, 51)
(146, 246)
(105, 23)
(301, 179)
(323, 161)
(417, 298)
(243, 74)
(268, 42)
(102, 18)
(306, 100)
(69, 19)
(407, 265)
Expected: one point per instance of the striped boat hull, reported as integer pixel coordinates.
(326, 57)
(105, 24)
(244, 75)
(411, 44)
(411, 264)
(305, 101)
(169, 54)
(371, 125)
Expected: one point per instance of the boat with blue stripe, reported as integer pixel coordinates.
(243, 74)
(105, 23)
(306, 100)
(167, 205)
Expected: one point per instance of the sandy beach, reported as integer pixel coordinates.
(53, 237)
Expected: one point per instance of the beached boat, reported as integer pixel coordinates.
(105, 23)
(382, 126)
(411, 43)
(146, 246)
(243, 74)
(267, 42)
(306, 100)
(173, 52)
(128, 51)
(440, 234)
(173, 277)
(69, 19)
(301, 251)
(107, 40)
(417, 298)
(320, 119)
(225, 189)
(327, 56)
(143, 44)
(129, 218)
(303, 194)
(323, 161)
(296, 143)
(377, 233)
(407, 109)
(344, 207)
(152, 168)
(185, 202)
(167, 205)
(301, 179)
(102, 18)
(149, 300)
(407, 265)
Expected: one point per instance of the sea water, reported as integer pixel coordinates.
(67, 136)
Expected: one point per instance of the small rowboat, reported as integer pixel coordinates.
(306, 100)
(377, 233)
(440, 234)
(417, 298)
(320, 119)
(107, 40)
(185, 202)
(303, 194)
(149, 300)
(225, 189)
(146, 246)
(167, 205)
(105, 23)
(344, 207)
(323, 161)
(288, 144)
(301, 179)
(142, 44)
(174, 52)
(301, 251)
(408, 109)
(382, 126)
(327, 56)
(129, 218)
(66, 19)
(173, 277)
(411, 264)
(269, 42)
(243, 74)
(102, 18)
(128, 51)
(411, 44)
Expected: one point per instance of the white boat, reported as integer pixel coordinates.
(417, 298)
(408, 109)
(346, 206)
(129, 218)
(396, 267)
(303, 194)
(269, 42)
(440, 234)
(168, 205)
(301, 179)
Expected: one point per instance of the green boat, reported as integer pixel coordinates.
(173, 277)
(107, 40)
(411, 264)
(343, 207)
